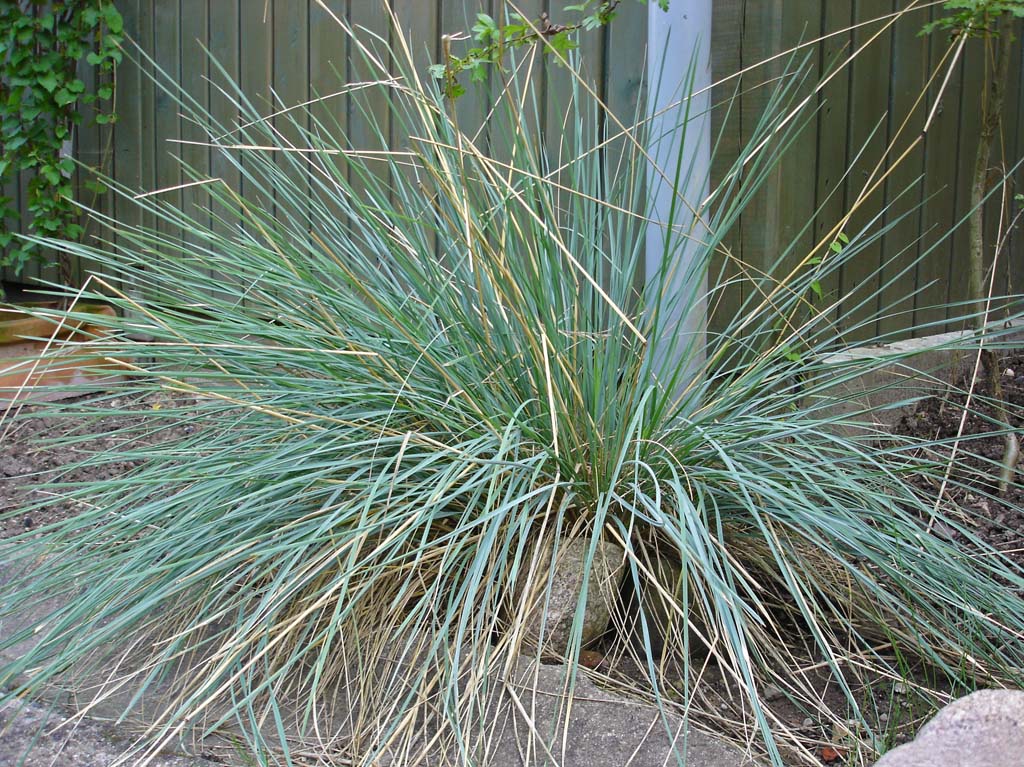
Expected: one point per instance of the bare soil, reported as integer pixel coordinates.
(997, 521)
(36, 447)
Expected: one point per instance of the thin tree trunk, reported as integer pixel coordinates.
(993, 98)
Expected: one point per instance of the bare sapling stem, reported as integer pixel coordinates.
(993, 98)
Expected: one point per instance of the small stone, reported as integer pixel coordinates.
(899, 688)
(1009, 373)
(723, 706)
(550, 618)
(943, 531)
(807, 723)
(883, 717)
(771, 692)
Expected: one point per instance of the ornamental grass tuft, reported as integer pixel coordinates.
(415, 373)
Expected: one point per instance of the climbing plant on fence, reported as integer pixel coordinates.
(492, 39)
(42, 46)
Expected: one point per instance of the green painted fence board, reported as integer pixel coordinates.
(285, 52)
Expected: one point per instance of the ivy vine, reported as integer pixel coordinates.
(42, 45)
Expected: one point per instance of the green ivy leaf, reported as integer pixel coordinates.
(48, 82)
(51, 174)
(41, 45)
(562, 43)
(486, 29)
(114, 21)
(63, 97)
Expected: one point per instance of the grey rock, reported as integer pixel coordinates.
(984, 729)
(772, 692)
(549, 625)
(602, 729)
(662, 620)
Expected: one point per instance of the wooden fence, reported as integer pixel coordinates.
(291, 50)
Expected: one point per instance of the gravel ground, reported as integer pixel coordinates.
(28, 739)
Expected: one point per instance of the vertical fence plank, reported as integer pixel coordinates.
(759, 224)
(96, 154)
(940, 182)
(726, 61)
(798, 166)
(867, 162)
(418, 26)
(256, 61)
(457, 16)
(128, 105)
(291, 91)
(224, 21)
(621, 85)
(832, 140)
(1006, 151)
(908, 76)
(329, 48)
(195, 73)
(369, 122)
(167, 124)
(224, 46)
(1014, 124)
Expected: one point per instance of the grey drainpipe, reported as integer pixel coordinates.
(677, 40)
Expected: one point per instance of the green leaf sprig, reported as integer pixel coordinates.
(493, 40)
(973, 17)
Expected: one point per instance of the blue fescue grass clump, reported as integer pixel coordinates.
(412, 367)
